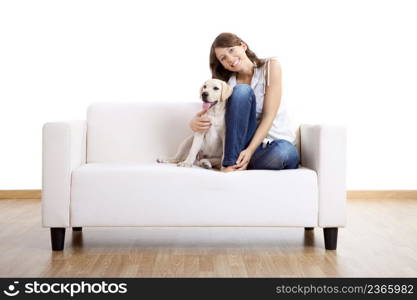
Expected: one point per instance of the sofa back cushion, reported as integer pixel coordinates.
(137, 132)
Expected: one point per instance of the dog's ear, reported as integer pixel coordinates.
(226, 91)
(201, 91)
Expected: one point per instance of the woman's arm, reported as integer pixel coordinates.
(272, 101)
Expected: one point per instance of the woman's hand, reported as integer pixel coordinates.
(243, 159)
(199, 123)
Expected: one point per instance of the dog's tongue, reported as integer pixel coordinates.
(206, 105)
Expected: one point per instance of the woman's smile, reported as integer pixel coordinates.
(236, 63)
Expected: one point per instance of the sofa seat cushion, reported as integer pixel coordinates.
(152, 194)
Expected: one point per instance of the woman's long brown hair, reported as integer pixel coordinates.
(227, 39)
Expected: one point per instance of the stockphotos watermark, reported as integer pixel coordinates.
(71, 289)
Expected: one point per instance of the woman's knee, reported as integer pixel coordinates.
(242, 88)
(242, 92)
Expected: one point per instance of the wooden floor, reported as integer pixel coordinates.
(380, 240)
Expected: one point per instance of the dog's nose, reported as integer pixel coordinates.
(205, 94)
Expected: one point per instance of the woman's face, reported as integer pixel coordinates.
(233, 58)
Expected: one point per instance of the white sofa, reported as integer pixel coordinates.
(103, 172)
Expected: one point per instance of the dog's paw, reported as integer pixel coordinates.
(205, 163)
(184, 164)
(161, 160)
(167, 161)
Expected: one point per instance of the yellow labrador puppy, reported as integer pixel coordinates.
(207, 148)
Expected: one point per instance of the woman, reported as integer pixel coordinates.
(259, 134)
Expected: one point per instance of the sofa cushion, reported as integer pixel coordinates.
(122, 194)
(137, 132)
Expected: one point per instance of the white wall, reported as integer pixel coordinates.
(345, 62)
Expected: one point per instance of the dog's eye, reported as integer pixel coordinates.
(204, 87)
(215, 88)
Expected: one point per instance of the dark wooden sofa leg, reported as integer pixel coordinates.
(57, 238)
(77, 229)
(330, 238)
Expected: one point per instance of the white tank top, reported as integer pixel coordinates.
(282, 126)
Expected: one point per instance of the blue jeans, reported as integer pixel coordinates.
(241, 125)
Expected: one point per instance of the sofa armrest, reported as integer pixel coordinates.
(63, 150)
(323, 149)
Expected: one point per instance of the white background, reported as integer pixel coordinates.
(344, 62)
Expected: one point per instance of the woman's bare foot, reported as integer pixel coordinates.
(228, 169)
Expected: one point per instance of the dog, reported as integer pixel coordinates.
(207, 148)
